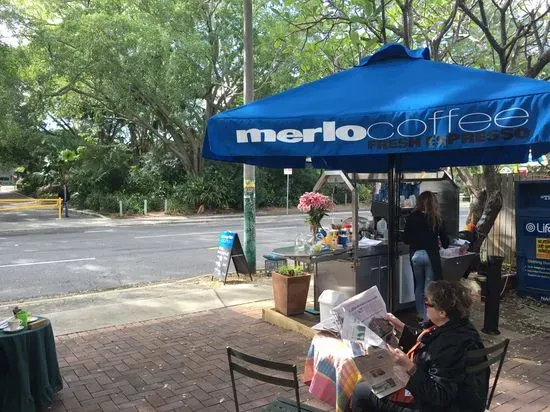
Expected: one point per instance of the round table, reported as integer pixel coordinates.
(29, 371)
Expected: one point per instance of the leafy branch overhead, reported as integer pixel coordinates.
(134, 82)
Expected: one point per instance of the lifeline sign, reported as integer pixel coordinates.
(543, 248)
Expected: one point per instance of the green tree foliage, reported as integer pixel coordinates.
(17, 136)
(132, 83)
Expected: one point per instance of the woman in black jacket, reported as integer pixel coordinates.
(436, 359)
(423, 231)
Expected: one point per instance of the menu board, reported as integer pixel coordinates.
(230, 248)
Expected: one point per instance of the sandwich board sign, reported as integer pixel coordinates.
(230, 249)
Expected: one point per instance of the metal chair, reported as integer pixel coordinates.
(480, 359)
(280, 404)
(273, 262)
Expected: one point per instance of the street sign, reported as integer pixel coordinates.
(288, 171)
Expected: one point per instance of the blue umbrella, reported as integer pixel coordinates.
(396, 103)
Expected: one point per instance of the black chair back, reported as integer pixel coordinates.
(264, 377)
(480, 359)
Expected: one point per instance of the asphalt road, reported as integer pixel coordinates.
(48, 264)
(99, 258)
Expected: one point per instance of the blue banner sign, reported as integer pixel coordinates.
(226, 240)
(223, 257)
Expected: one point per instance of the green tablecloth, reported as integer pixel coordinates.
(33, 377)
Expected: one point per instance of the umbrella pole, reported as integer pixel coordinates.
(355, 215)
(393, 189)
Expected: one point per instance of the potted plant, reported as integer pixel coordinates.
(290, 289)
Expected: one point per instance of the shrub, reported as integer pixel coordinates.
(291, 270)
(177, 206)
(365, 192)
(102, 202)
(271, 186)
(101, 169)
(218, 187)
(30, 184)
(132, 204)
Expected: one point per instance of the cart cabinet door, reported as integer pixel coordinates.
(373, 271)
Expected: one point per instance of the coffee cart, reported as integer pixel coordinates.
(355, 269)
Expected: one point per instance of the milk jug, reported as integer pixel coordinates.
(382, 228)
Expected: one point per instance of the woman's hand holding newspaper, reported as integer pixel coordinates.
(396, 323)
(400, 358)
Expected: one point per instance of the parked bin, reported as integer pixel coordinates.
(328, 300)
(533, 238)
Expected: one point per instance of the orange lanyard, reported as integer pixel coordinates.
(412, 350)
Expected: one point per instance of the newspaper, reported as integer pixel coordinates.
(354, 330)
(360, 322)
(368, 309)
(329, 325)
(378, 370)
(365, 306)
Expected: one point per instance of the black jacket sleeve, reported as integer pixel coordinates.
(408, 338)
(438, 385)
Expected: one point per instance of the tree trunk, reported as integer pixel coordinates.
(488, 217)
(485, 203)
(478, 198)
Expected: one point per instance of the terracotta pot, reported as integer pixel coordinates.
(290, 293)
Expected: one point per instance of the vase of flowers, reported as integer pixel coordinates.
(317, 206)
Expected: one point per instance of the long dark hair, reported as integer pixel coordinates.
(427, 203)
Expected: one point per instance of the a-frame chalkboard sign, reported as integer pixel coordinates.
(229, 248)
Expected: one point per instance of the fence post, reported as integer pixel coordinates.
(165, 206)
(59, 208)
(145, 207)
(120, 208)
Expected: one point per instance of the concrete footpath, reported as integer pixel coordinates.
(95, 310)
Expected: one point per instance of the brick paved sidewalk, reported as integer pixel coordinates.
(179, 364)
(524, 384)
(173, 364)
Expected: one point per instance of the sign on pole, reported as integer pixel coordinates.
(287, 172)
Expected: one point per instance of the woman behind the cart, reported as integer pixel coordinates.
(423, 232)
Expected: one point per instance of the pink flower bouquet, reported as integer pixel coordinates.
(316, 206)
